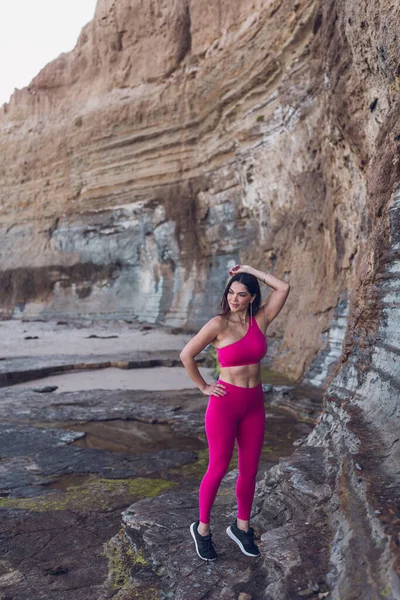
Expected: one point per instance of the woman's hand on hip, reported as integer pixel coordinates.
(214, 389)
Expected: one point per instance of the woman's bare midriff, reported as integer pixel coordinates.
(246, 376)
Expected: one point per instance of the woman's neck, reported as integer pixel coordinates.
(239, 317)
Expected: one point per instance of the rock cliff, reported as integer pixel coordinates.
(180, 137)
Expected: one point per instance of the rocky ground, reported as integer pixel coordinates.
(99, 486)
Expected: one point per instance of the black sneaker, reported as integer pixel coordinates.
(204, 543)
(244, 539)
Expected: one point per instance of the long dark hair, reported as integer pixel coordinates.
(253, 287)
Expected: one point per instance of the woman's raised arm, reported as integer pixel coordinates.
(278, 297)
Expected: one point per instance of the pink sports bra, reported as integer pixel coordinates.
(249, 350)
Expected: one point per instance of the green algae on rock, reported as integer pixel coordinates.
(195, 469)
(94, 495)
(199, 467)
(121, 559)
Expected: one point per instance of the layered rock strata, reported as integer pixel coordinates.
(177, 139)
(337, 498)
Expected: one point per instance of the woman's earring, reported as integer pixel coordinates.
(251, 313)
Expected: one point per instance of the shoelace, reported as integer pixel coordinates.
(249, 533)
(207, 543)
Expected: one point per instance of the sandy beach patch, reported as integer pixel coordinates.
(48, 338)
(159, 378)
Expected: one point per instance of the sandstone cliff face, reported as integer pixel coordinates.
(180, 137)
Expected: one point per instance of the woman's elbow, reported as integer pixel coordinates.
(186, 357)
(183, 356)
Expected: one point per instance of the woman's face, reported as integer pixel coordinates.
(238, 297)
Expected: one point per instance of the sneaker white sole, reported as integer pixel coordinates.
(195, 541)
(239, 543)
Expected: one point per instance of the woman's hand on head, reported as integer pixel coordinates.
(215, 389)
(239, 269)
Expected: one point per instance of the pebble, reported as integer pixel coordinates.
(305, 593)
(244, 596)
(227, 594)
(45, 389)
(299, 441)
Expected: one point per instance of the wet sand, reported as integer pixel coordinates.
(73, 338)
(41, 339)
(158, 378)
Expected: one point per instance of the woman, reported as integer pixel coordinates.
(236, 404)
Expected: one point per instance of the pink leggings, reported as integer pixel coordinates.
(239, 414)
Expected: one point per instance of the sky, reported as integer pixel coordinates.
(33, 33)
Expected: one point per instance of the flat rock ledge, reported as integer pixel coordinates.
(325, 520)
(294, 555)
(159, 531)
(28, 368)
